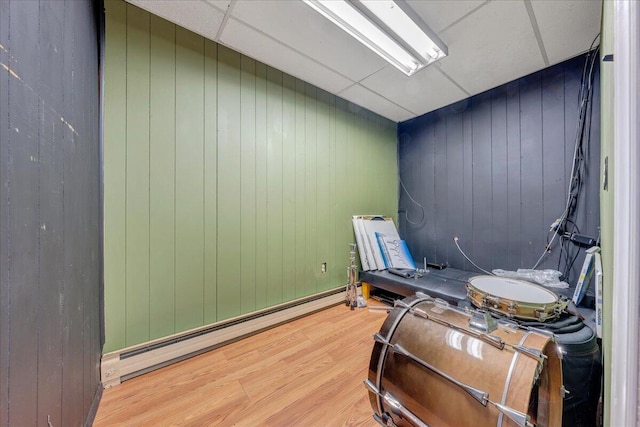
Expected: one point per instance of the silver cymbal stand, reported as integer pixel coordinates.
(352, 279)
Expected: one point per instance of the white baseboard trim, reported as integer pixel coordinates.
(122, 364)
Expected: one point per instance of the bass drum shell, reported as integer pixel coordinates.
(507, 376)
(581, 368)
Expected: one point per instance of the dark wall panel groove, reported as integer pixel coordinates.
(493, 170)
(49, 213)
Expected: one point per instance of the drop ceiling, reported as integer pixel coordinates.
(490, 43)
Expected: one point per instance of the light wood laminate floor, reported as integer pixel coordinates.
(308, 372)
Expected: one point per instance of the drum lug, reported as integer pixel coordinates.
(420, 313)
(380, 420)
(396, 407)
(483, 322)
(390, 422)
(508, 324)
(490, 300)
(563, 302)
(541, 315)
(516, 416)
(440, 303)
(512, 308)
(531, 352)
(401, 304)
(424, 297)
(377, 418)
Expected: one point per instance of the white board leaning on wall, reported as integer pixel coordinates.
(379, 244)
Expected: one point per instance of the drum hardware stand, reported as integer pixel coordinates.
(481, 396)
(352, 279)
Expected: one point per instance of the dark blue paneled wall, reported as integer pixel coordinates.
(493, 170)
(50, 250)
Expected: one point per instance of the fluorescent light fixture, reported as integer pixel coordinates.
(398, 21)
(390, 28)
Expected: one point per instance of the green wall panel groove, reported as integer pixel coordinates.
(162, 158)
(189, 180)
(210, 182)
(227, 182)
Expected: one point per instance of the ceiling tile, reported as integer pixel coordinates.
(439, 14)
(567, 27)
(250, 42)
(199, 17)
(220, 4)
(362, 96)
(295, 24)
(425, 91)
(492, 46)
(490, 43)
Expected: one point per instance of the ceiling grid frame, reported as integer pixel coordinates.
(281, 34)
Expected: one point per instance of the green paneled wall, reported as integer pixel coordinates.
(226, 182)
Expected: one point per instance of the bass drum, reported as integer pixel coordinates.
(430, 367)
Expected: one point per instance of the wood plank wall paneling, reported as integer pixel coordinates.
(189, 181)
(228, 192)
(210, 185)
(162, 170)
(115, 175)
(50, 253)
(23, 216)
(5, 315)
(52, 259)
(227, 182)
(137, 171)
(275, 226)
(493, 170)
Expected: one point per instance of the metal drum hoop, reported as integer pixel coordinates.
(405, 308)
(513, 307)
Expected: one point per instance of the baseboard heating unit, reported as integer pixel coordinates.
(120, 365)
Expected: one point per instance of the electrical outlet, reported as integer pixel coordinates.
(323, 267)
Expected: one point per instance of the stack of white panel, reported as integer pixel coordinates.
(379, 243)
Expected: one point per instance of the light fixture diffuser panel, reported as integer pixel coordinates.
(353, 18)
(402, 21)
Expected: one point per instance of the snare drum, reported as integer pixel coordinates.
(515, 298)
(429, 367)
